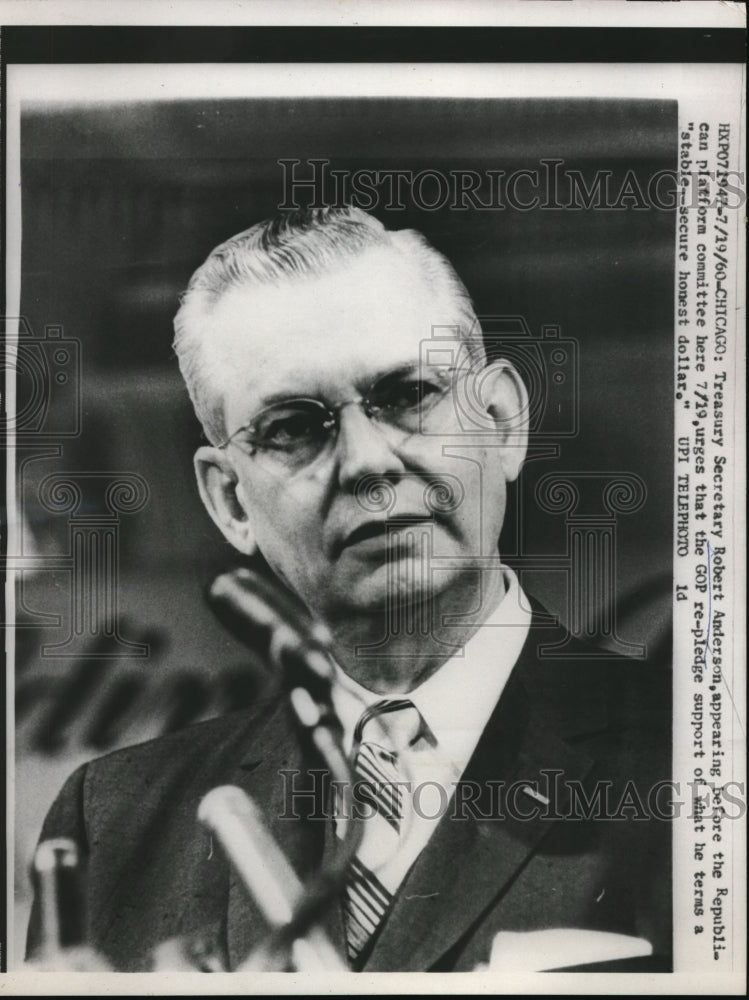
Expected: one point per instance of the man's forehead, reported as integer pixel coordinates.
(377, 282)
(366, 316)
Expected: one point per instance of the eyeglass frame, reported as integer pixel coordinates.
(333, 411)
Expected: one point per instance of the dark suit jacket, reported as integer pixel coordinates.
(566, 726)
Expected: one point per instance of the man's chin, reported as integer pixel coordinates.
(384, 590)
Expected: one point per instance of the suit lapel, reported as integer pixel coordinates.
(333, 920)
(469, 862)
(273, 764)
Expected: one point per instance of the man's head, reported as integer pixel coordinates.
(317, 307)
(289, 248)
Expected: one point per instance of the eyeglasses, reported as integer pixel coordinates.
(290, 435)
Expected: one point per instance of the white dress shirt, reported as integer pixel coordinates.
(455, 703)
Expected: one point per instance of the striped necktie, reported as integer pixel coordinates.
(382, 733)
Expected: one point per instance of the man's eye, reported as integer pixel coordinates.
(287, 428)
(407, 394)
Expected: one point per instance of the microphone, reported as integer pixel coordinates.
(269, 878)
(59, 885)
(264, 618)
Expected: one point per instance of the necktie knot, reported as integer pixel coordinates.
(393, 725)
(384, 731)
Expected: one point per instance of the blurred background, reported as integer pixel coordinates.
(122, 201)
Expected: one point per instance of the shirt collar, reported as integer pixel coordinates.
(457, 700)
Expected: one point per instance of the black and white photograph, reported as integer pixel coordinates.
(375, 509)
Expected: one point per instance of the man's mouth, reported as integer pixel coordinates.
(374, 534)
(365, 532)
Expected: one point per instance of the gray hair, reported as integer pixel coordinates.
(296, 245)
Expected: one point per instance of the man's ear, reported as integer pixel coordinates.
(505, 397)
(221, 492)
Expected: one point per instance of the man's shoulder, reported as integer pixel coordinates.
(572, 675)
(184, 756)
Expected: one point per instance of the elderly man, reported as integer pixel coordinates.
(360, 443)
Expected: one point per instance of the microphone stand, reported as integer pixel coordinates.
(261, 616)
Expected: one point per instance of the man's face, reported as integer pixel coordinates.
(329, 338)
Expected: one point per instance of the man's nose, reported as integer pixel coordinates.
(362, 449)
